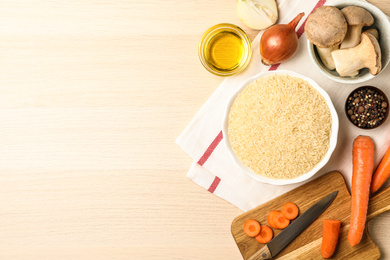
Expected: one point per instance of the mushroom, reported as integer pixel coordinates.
(326, 28)
(357, 18)
(326, 56)
(366, 55)
(373, 32)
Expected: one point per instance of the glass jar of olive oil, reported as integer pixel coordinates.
(225, 49)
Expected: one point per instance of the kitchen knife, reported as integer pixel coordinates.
(279, 242)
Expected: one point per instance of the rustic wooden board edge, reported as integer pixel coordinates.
(379, 205)
(367, 231)
(332, 174)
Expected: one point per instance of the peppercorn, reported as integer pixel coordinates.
(366, 107)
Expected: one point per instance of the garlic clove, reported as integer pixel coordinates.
(257, 14)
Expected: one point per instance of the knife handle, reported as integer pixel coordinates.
(262, 253)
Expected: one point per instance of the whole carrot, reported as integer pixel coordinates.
(330, 236)
(382, 173)
(362, 168)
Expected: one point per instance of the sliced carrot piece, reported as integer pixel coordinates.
(290, 210)
(330, 236)
(265, 235)
(280, 221)
(252, 228)
(271, 217)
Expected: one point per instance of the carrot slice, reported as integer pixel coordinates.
(290, 210)
(330, 236)
(382, 173)
(280, 221)
(252, 228)
(271, 217)
(362, 169)
(265, 235)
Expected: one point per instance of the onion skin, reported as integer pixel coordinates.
(279, 43)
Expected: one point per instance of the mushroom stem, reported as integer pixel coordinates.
(326, 56)
(352, 38)
(357, 17)
(366, 55)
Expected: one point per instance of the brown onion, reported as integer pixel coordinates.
(279, 42)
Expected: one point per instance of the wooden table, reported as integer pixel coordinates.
(92, 97)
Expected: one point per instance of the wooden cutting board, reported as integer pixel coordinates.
(308, 244)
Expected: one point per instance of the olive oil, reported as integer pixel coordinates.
(225, 49)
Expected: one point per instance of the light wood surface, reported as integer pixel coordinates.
(92, 97)
(308, 244)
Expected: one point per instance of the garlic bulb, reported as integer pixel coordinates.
(257, 14)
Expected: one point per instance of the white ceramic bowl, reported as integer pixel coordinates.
(381, 23)
(333, 138)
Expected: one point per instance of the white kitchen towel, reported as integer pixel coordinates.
(202, 140)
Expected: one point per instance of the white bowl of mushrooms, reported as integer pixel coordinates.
(349, 41)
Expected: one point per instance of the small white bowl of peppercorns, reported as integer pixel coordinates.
(367, 107)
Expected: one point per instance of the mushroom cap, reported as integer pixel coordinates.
(356, 15)
(373, 32)
(326, 27)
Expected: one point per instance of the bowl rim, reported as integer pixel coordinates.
(301, 178)
(360, 78)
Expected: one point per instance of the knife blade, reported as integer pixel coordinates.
(294, 229)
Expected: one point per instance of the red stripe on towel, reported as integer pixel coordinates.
(219, 137)
(210, 149)
(274, 67)
(214, 185)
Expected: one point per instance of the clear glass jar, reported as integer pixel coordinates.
(225, 49)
